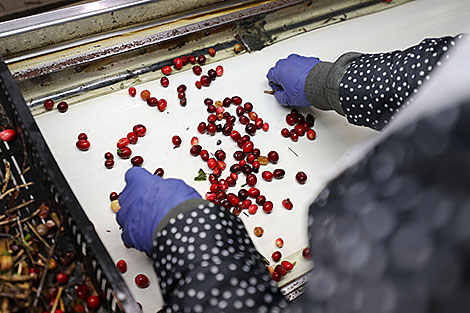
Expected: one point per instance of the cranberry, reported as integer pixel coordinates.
(183, 102)
(240, 111)
(204, 155)
(250, 128)
(123, 142)
(310, 119)
(49, 104)
(253, 192)
(198, 84)
(244, 120)
(201, 59)
(210, 196)
(301, 177)
(227, 102)
(83, 145)
(287, 204)
(276, 256)
(132, 137)
(81, 291)
(220, 70)
(181, 95)
(227, 129)
(124, 153)
(62, 107)
(213, 179)
(280, 269)
(294, 136)
(195, 150)
(253, 116)
(212, 74)
(259, 123)
(231, 181)
(184, 59)
(279, 173)
(247, 147)
(252, 209)
(159, 172)
(248, 107)
(250, 158)
(290, 119)
(211, 128)
(265, 127)
(121, 266)
(139, 130)
(176, 141)
(212, 118)
(233, 199)
(137, 160)
(181, 88)
(276, 277)
(145, 94)
(211, 52)
(62, 278)
(279, 242)
(178, 63)
(255, 165)
(288, 265)
(113, 196)
(142, 281)
(234, 176)
(214, 188)
(205, 80)
(197, 70)
(237, 210)
(192, 59)
(299, 129)
(201, 128)
(166, 70)
(246, 203)
(132, 91)
(220, 155)
(161, 105)
(208, 101)
(285, 133)
(194, 141)
(268, 207)
(93, 303)
(211, 108)
(306, 253)
(109, 163)
(260, 200)
(212, 163)
(273, 157)
(238, 155)
(164, 81)
(311, 134)
(222, 165)
(108, 155)
(246, 169)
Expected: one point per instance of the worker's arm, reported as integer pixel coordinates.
(368, 89)
(204, 259)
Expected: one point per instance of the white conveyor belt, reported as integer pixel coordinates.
(106, 119)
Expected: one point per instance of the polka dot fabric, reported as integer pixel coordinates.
(206, 262)
(376, 86)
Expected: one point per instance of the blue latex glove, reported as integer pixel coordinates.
(290, 74)
(144, 202)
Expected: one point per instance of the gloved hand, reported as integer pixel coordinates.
(144, 202)
(290, 74)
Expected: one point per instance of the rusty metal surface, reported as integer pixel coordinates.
(145, 42)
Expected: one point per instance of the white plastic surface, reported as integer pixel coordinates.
(108, 118)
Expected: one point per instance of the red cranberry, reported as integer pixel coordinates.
(161, 105)
(184, 59)
(259, 123)
(204, 155)
(250, 158)
(227, 102)
(290, 119)
(234, 176)
(306, 253)
(178, 63)
(253, 192)
(109, 163)
(301, 177)
(250, 129)
(181, 95)
(222, 165)
(220, 155)
(142, 281)
(253, 116)
(132, 137)
(256, 165)
(192, 59)
(211, 52)
(198, 84)
(248, 107)
(279, 242)
(113, 196)
(231, 181)
(181, 88)
(132, 91)
(276, 256)
(210, 196)
(201, 59)
(299, 129)
(183, 102)
(236, 100)
(243, 194)
(273, 157)
(294, 136)
(260, 200)
(265, 127)
(205, 80)
(238, 155)
(252, 209)
(240, 111)
(212, 118)
(211, 128)
(212, 163)
(246, 169)
(201, 128)
(197, 70)
(62, 278)
(285, 132)
(288, 265)
(227, 129)
(176, 141)
(220, 70)
(159, 172)
(137, 160)
(124, 153)
(279, 173)
(244, 120)
(211, 108)
(280, 269)
(246, 203)
(164, 81)
(145, 94)
(217, 171)
(247, 147)
(287, 204)
(208, 101)
(62, 107)
(233, 199)
(256, 152)
(166, 70)
(214, 188)
(49, 104)
(194, 141)
(268, 207)
(276, 277)
(93, 303)
(81, 291)
(311, 134)
(267, 176)
(83, 145)
(82, 136)
(123, 142)
(139, 130)
(108, 155)
(213, 179)
(212, 74)
(121, 266)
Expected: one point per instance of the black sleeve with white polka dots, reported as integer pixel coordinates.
(376, 86)
(206, 262)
